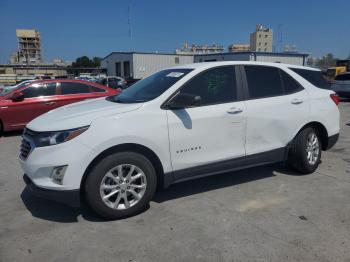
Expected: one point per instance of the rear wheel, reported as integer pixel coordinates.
(305, 151)
(121, 185)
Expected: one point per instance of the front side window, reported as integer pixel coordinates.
(214, 86)
(263, 81)
(151, 87)
(70, 88)
(38, 90)
(314, 77)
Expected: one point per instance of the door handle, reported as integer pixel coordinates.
(297, 101)
(234, 110)
(50, 103)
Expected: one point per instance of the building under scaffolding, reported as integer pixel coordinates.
(29, 47)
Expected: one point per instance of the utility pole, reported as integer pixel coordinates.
(280, 39)
(129, 22)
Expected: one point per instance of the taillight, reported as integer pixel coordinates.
(335, 98)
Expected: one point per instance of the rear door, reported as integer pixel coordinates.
(277, 106)
(71, 92)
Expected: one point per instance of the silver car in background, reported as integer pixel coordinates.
(341, 85)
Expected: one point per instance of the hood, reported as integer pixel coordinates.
(79, 114)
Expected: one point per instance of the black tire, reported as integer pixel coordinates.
(297, 155)
(1, 128)
(96, 175)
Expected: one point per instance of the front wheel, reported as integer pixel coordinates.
(121, 185)
(305, 151)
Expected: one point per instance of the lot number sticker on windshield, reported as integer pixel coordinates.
(175, 74)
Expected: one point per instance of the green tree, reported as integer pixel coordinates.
(326, 61)
(82, 62)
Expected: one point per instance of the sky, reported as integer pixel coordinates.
(74, 28)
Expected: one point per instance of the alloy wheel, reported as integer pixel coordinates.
(123, 186)
(312, 149)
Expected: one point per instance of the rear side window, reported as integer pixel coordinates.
(289, 83)
(215, 86)
(263, 81)
(38, 90)
(343, 77)
(314, 77)
(95, 89)
(69, 88)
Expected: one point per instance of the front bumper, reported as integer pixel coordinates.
(67, 197)
(39, 164)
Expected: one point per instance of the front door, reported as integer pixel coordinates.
(39, 98)
(213, 131)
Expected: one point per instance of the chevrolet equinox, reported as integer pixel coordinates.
(178, 124)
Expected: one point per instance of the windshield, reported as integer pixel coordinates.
(6, 90)
(151, 87)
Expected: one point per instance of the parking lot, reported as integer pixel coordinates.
(261, 214)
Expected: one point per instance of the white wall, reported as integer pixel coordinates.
(147, 64)
(294, 60)
(222, 57)
(288, 59)
(110, 61)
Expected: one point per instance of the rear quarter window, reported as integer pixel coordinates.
(314, 77)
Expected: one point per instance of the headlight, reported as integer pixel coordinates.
(57, 137)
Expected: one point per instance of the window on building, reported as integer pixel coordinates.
(289, 83)
(265, 49)
(263, 81)
(259, 49)
(266, 36)
(259, 35)
(126, 68)
(259, 43)
(118, 70)
(177, 60)
(314, 77)
(70, 88)
(215, 86)
(265, 43)
(38, 90)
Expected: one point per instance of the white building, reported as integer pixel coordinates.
(139, 65)
(287, 58)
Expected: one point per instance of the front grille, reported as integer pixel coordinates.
(26, 148)
(26, 145)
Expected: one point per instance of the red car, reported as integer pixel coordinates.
(21, 104)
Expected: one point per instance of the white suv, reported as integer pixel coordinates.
(178, 124)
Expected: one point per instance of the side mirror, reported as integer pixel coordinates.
(17, 97)
(183, 100)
